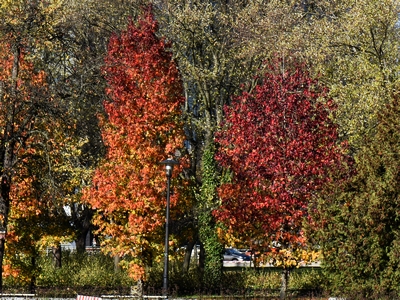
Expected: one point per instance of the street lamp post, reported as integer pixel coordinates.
(169, 165)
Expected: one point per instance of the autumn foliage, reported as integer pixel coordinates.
(142, 128)
(31, 151)
(279, 145)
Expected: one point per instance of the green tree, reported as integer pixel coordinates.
(353, 45)
(358, 222)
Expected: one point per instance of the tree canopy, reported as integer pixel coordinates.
(142, 129)
(357, 222)
(279, 146)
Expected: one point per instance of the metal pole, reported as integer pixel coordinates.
(165, 277)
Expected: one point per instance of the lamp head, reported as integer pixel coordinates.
(169, 165)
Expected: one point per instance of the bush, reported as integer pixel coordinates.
(95, 275)
(80, 273)
(81, 270)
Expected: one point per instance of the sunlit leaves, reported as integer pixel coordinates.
(354, 46)
(207, 51)
(26, 161)
(279, 145)
(142, 129)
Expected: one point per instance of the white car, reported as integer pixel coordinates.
(232, 254)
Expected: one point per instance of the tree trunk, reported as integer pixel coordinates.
(4, 209)
(4, 203)
(284, 283)
(32, 287)
(84, 224)
(80, 241)
(117, 260)
(2, 242)
(188, 255)
(202, 258)
(57, 256)
(7, 158)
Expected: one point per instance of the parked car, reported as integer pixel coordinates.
(232, 254)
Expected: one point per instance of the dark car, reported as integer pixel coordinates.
(232, 254)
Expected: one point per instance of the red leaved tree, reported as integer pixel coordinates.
(142, 129)
(279, 145)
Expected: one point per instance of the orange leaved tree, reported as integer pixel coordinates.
(25, 108)
(143, 128)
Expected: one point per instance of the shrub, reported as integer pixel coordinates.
(81, 270)
(95, 275)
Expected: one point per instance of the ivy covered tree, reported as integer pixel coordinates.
(211, 267)
(204, 42)
(279, 145)
(142, 128)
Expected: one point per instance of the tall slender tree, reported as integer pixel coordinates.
(142, 128)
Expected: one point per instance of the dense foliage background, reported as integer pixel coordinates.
(95, 93)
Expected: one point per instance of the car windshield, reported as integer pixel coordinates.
(234, 251)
